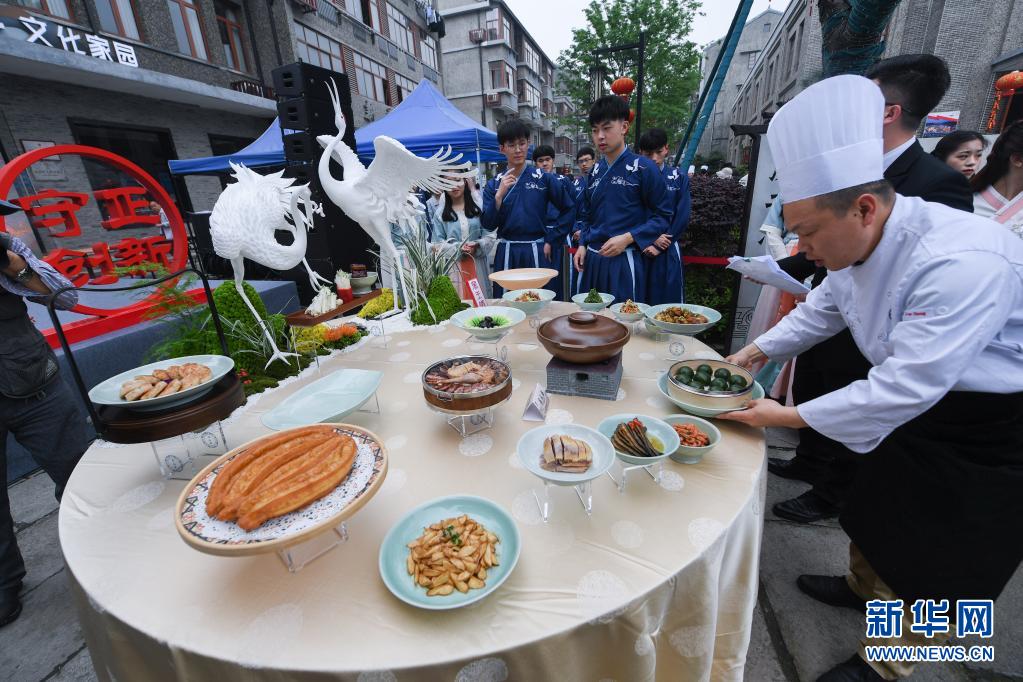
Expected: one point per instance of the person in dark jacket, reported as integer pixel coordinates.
(36, 406)
(912, 85)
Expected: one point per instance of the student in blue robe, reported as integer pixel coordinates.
(665, 281)
(543, 158)
(584, 159)
(515, 205)
(624, 209)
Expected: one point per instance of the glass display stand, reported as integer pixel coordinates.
(584, 491)
(297, 557)
(468, 424)
(182, 457)
(652, 470)
(495, 348)
(369, 408)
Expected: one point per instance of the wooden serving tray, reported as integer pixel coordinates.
(302, 319)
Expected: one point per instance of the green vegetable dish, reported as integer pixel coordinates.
(488, 322)
(593, 297)
(704, 379)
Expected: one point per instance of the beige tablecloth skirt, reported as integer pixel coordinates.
(658, 584)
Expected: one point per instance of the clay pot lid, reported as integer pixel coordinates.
(584, 329)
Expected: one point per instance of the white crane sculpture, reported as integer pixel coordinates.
(381, 195)
(244, 220)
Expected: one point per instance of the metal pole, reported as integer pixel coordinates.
(639, 86)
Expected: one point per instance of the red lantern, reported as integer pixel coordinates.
(632, 115)
(623, 86)
(1006, 86)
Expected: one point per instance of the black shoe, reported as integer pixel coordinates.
(10, 606)
(853, 670)
(792, 469)
(831, 590)
(806, 508)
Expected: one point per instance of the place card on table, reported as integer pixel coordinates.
(477, 293)
(536, 407)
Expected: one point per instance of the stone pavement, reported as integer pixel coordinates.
(794, 637)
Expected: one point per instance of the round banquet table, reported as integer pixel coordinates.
(658, 584)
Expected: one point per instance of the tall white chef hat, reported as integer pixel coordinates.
(828, 138)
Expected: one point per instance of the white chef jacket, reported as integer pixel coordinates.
(937, 306)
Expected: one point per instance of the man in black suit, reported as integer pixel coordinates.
(912, 86)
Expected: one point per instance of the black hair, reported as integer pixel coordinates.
(653, 140)
(511, 130)
(608, 108)
(541, 151)
(950, 143)
(839, 201)
(916, 82)
(584, 151)
(470, 209)
(1008, 144)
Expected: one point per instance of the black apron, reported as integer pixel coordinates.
(937, 507)
(27, 363)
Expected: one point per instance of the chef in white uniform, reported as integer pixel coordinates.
(933, 297)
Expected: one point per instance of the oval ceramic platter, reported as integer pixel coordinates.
(226, 538)
(329, 399)
(109, 392)
(394, 550)
(705, 412)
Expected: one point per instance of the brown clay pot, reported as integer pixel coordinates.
(583, 338)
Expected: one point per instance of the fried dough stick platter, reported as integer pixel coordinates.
(202, 525)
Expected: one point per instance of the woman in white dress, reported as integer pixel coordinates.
(459, 219)
(998, 186)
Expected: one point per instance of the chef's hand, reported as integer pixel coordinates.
(616, 245)
(663, 242)
(766, 412)
(652, 251)
(580, 256)
(747, 356)
(547, 252)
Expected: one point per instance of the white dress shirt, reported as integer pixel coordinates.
(938, 306)
(890, 156)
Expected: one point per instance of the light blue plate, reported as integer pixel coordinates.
(512, 315)
(706, 412)
(530, 447)
(655, 427)
(393, 550)
(328, 399)
(713, 317)
(691, 454)
(109, 391)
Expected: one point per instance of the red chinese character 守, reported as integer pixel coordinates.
(64, 204)
(122, 205)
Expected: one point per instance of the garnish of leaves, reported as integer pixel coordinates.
(452, 536)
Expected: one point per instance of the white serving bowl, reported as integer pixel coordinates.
(657, 428)
(616, 310)
(529, 307)
(530, 447)
(690, 454)
(513, 315)
(362, 285)
(713, 317)
(580, 300)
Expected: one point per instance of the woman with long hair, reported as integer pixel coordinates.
(962, 150)
(998, 186)
(457, 225)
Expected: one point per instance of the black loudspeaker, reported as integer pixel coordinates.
(301, 147)
(309, 115)
(309, 82)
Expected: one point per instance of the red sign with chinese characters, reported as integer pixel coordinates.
(54, 213)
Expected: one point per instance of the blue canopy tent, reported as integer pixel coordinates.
(424, 123)
(265, 150)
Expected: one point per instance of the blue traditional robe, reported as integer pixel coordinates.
(628, 195)
(521, 222)
(560, 228)
(665, 281)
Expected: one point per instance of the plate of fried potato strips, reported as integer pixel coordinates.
(281, 489)
(449, 552)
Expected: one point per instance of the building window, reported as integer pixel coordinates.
(767, 27)
(751, 60)
(429, 51)
(371, 78)
(353, 7)
(117, 16)
(791, 52)
(799, 47)
(55, 8)
(185, 19)
(397, 25)
(371, 15)
(498, 26)
(230, 24)
(501, 75)
(317, 49)
(531, 57)
(528, 94)
(405, 87)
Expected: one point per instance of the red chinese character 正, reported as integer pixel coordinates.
(121, 204)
